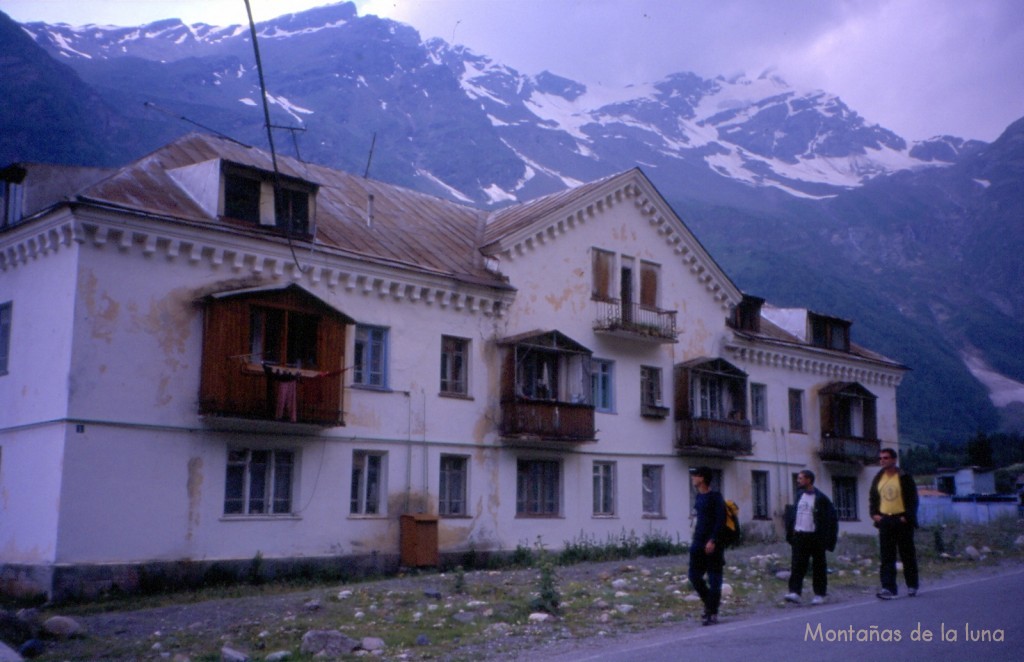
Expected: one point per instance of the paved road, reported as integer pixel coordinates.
(984, 614)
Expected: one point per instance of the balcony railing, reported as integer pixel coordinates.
(635, 321)
(712, 437)
(547, 420)
(850, 450)
(272, 393)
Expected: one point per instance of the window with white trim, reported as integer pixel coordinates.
(370, 363)
(603, 384)
(604, 489)
(454, 479)
(652, 480)
(759, 494)
(259, 482)
(454, 356)
(538, 488)
(369, 483)
(759, 406)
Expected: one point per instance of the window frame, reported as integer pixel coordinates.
(271, 481)
(650, 281)
(602, 267)
(538, 488)
(453, 495)
(651, 392)
(454, 369)
(6, 330)
(844, 496)
(365, 352)
(366, 498)
(760, 494)
(602, 377)
(604, 484)
(759, 406)
(656, 487)
(796, 411)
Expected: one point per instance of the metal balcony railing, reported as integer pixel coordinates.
(635, 321)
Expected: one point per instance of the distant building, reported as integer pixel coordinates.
(965, 481)
(203, 361)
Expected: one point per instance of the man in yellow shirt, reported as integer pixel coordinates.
(892, 502)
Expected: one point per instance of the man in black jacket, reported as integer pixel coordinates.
(812, 528)
(892, 502)
(706, 553)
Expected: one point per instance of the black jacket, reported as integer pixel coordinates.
(908, 488)
(826, 521)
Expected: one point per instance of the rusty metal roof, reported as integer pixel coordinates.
(408, 228)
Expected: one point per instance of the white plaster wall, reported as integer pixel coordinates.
(42, 294)
(30, 480)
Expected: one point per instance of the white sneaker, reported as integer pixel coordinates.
(818, 600)
(791, 597)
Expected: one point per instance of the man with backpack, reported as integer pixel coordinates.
(812, 528)
(706, 552)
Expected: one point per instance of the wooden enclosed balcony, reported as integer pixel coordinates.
(632, 320)
(850, 450)
(272, 354)
(547, 421)
(711, 437)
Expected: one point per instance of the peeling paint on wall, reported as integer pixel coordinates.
(102, 310)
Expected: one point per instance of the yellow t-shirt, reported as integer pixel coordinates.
(891, 494)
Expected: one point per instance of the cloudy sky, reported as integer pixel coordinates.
(919, 67)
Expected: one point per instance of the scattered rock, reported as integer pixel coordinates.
(972, 553)
(464, 617)
(624, 609)
(312, 605)
(327, 643)
(1019, 542)
(344, 595)
(229, 654)
(498, 629)
(620, 584)
(8, 654)
(63, 627)
(726, 590)
(372, 644)
(432, 594)
(279, 656)
(783, 575)
(539, 617)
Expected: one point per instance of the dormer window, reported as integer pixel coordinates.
(11, 194)
(747, 314)
(829, 332)
(258, 197)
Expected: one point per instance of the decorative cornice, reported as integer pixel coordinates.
(247, 258)
(844, 369)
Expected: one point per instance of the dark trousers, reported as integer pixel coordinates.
(896, 537)
(701, 563)
(808, 548)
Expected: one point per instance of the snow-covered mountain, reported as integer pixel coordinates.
(528, 134)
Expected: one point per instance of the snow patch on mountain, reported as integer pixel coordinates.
(1002, 390)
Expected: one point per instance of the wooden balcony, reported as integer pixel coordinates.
(635, 321)
(850, 450)
(287, 395)
(713, 438)
(546, 420)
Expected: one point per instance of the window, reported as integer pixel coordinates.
(538, 488)
(844, 494)
(283, 337)
(368, 483)
(650, 392)
(759, 406)
(454, 479)
(12, 196)
(604, 489)
(454, 353)
(602, 385)
(259, 482)
(759, 494)
(829, 332)
(249, 194)
(6, 310)
(242, 198)
(653, 488)
(649, 284)
(603, 267)
(718, 390)
(371, 356)
(796, 410)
